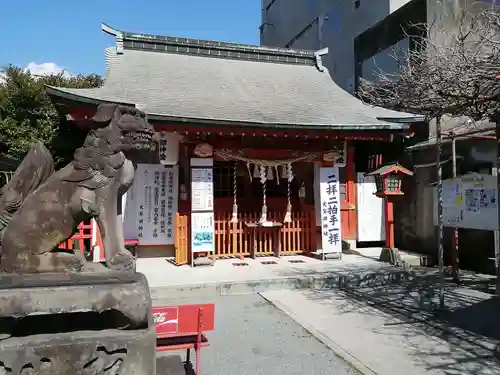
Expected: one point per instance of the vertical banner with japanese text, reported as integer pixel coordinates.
(202, 206)
(129, 213)
(330, 210)
(156, 195)
(168, 148)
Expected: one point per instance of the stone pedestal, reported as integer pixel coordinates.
(76, 324)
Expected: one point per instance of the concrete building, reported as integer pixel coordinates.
(361, 35)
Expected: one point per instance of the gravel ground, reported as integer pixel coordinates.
(253, 337)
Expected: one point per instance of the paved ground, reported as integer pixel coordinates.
(253, 337)
(161, 273)
(384, 328)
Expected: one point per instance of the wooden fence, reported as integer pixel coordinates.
(231, 239)
(82, 240)
(236, 240)
(182, 239)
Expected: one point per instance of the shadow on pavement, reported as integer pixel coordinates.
(172, 364)
(469, 321)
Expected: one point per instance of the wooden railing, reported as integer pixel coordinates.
(235, 239)
(182, 239)
(81, 240)
(231, 239)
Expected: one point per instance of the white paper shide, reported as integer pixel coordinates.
(330, 210)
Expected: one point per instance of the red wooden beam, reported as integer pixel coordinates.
(269, 132)
(82, 114)
(271, 155)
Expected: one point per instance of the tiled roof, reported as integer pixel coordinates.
(195, 80)
(461, 128)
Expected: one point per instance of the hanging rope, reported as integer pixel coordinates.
(263, 166)
(288, 215)
(263, 179)
(226, 155)
(234, 219)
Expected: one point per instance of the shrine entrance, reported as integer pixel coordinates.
(261, 211)
(268, 206)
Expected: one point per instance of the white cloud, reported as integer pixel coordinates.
(43, 69)
(46, 69)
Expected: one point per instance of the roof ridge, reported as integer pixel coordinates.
(207, 44)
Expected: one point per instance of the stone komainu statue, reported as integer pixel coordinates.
(40, 208)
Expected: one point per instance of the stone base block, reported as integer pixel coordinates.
(81, 352)
(128, 294)
(76, 324)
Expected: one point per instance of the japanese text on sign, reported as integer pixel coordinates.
(168, 148)
(202, 206)
(330, 210)
(158, 204)
(202, 189)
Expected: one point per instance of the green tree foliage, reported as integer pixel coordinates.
(27, 114)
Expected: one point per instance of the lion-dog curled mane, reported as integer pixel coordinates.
(40, 209)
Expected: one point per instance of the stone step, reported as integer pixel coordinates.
(318, 280)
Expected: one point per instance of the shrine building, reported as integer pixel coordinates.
(260, 152)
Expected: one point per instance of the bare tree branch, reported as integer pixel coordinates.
(445, 73)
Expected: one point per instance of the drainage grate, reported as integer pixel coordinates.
(240, 264)
(296, 261)
(268, 262)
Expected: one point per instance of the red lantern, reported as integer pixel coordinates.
(388, 181)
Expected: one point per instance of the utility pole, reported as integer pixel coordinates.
(456, 255)
(497, 236)
(440, 223)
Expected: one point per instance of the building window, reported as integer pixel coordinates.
(357, 3)
(223, 179)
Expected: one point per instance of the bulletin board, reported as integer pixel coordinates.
(470, 202)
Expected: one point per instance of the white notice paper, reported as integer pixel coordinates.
(330, 210)
(202, 195)
(157, 200)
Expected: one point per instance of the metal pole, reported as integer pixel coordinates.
(497, 236)
(440, 226)
(456, 266)
(494, 172)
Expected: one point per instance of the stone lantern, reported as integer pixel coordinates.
(388, 181)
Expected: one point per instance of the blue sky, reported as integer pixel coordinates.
(68, 33)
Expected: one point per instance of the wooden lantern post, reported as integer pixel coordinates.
(388, 180)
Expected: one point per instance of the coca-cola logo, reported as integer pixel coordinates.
(166, 320)
(159, 317)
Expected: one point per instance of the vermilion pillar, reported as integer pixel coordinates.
(389, 222)
(388, 180)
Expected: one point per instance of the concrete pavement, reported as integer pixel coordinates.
(252, 337)
(396, 329)
(381, 319)
(226, 277)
